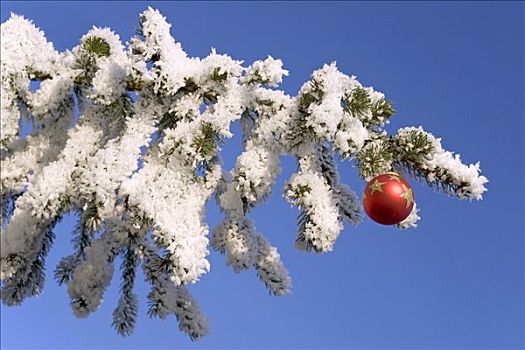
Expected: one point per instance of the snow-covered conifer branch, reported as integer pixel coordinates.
(319, 222)
(32, 57)
(422, 155)
(252, 179)
(25, 277)
(125, 314)
(270, 268)
(166, 298)
(142, 160)
(375, 158)
(91, 278)
(347, 201)
(84, 233)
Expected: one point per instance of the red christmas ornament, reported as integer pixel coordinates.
(388, 199)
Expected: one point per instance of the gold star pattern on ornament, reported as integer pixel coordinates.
(377, 186)
(408, 195)
(394, 176)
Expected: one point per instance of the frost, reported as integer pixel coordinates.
(142, 161)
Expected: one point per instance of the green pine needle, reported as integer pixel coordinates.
(383, 109)
(358, 102)
(217, 76)
(206, 144)
(374, 159)
(414, 147)
(301, 190)
(97, 46)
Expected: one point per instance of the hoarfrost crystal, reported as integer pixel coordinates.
(142, 160)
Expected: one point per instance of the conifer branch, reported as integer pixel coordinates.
(144, 165)
(125, 315)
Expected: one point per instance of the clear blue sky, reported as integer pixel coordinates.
(457, 281)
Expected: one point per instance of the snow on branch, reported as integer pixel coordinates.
(423, 156)
(142, 161)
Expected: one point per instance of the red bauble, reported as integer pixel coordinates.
(388, 199)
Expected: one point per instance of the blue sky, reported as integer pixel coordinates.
(457, 281)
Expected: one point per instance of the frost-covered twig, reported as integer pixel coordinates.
(142, 161)
(166, 298)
